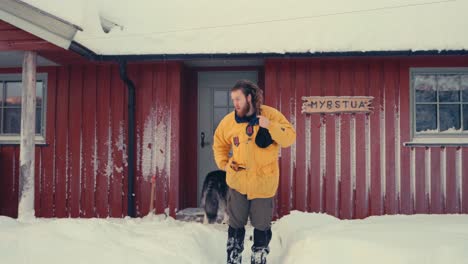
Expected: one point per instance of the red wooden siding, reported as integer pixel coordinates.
(9, 181)
(82, 171)
(376, 82)
(300, 188)
(348, 165)
(408, 188)
(313, 142)
(361, 174)
(189, 139)
(365, 168)
(464, 186)
(89, 143)
(12, 38)
(158, 127)
(345, 182)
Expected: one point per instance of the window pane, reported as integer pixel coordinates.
(38, 120)
(449, 87)
(12, 120)
(426, 117)
(449, 116)
(1, 93)
(39, 93)
(220, 98)
(465, 117)
(425, 88)
(219, 113)
(464, 87)
(13, 93)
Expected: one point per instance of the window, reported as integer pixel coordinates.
(10, 107)
(439, 103)
(222, 105)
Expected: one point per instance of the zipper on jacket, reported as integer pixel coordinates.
(250, 160)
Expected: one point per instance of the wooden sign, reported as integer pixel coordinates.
(336, 104)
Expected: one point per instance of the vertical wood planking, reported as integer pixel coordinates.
(75, 137)
(61, 146)
(271, 99)
(331, 80)
(89, 125)
(140, 126)
(300, 188)
(8, 206)
(174, 83)
(145, 95)
(464, 173)
(48, 153)
(361, 78)
(407, 196)
(390, 70)
(160, 99)
(451, 199)
(118, 128)
(420, 173)
(346, 188)
(376, 90)
(314, 172)
(286, 70)
(436, 193)
(104, 140)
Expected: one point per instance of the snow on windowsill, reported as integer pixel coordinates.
(456, 140)
(16, 140)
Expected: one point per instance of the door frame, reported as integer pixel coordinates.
(189, 165)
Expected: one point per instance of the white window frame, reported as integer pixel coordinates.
(39, 138)
(441, 138)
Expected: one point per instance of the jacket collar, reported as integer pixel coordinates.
(252, 119)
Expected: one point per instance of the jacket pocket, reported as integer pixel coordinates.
(265, 156)
(236, 179)
(267, 179)
(269, 169)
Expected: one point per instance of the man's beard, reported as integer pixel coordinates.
(243, 111)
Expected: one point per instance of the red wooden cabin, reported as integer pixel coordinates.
(409, 155)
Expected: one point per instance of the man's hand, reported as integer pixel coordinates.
(234, 166)
(263, 122)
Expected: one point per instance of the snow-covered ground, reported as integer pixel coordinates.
(297, 238)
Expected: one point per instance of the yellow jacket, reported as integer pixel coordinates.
(260, 177)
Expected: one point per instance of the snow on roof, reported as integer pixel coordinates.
(264, 26)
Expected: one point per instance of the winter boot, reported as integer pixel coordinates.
(260, 248)
(235, 245)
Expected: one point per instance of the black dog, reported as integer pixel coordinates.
(213, 197)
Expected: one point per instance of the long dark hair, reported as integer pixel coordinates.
(247, 87)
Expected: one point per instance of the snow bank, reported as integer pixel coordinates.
(297, 238)
(149, 240)
(434, 239)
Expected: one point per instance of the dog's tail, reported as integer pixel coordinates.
(211, 204)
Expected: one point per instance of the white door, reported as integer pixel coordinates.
(214, 102)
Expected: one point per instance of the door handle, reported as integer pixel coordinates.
(203, 143)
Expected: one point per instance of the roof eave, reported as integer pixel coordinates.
(39, 23)
(89, 54)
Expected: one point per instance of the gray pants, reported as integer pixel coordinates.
(239, 208)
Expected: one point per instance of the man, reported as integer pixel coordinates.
(254, 132)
